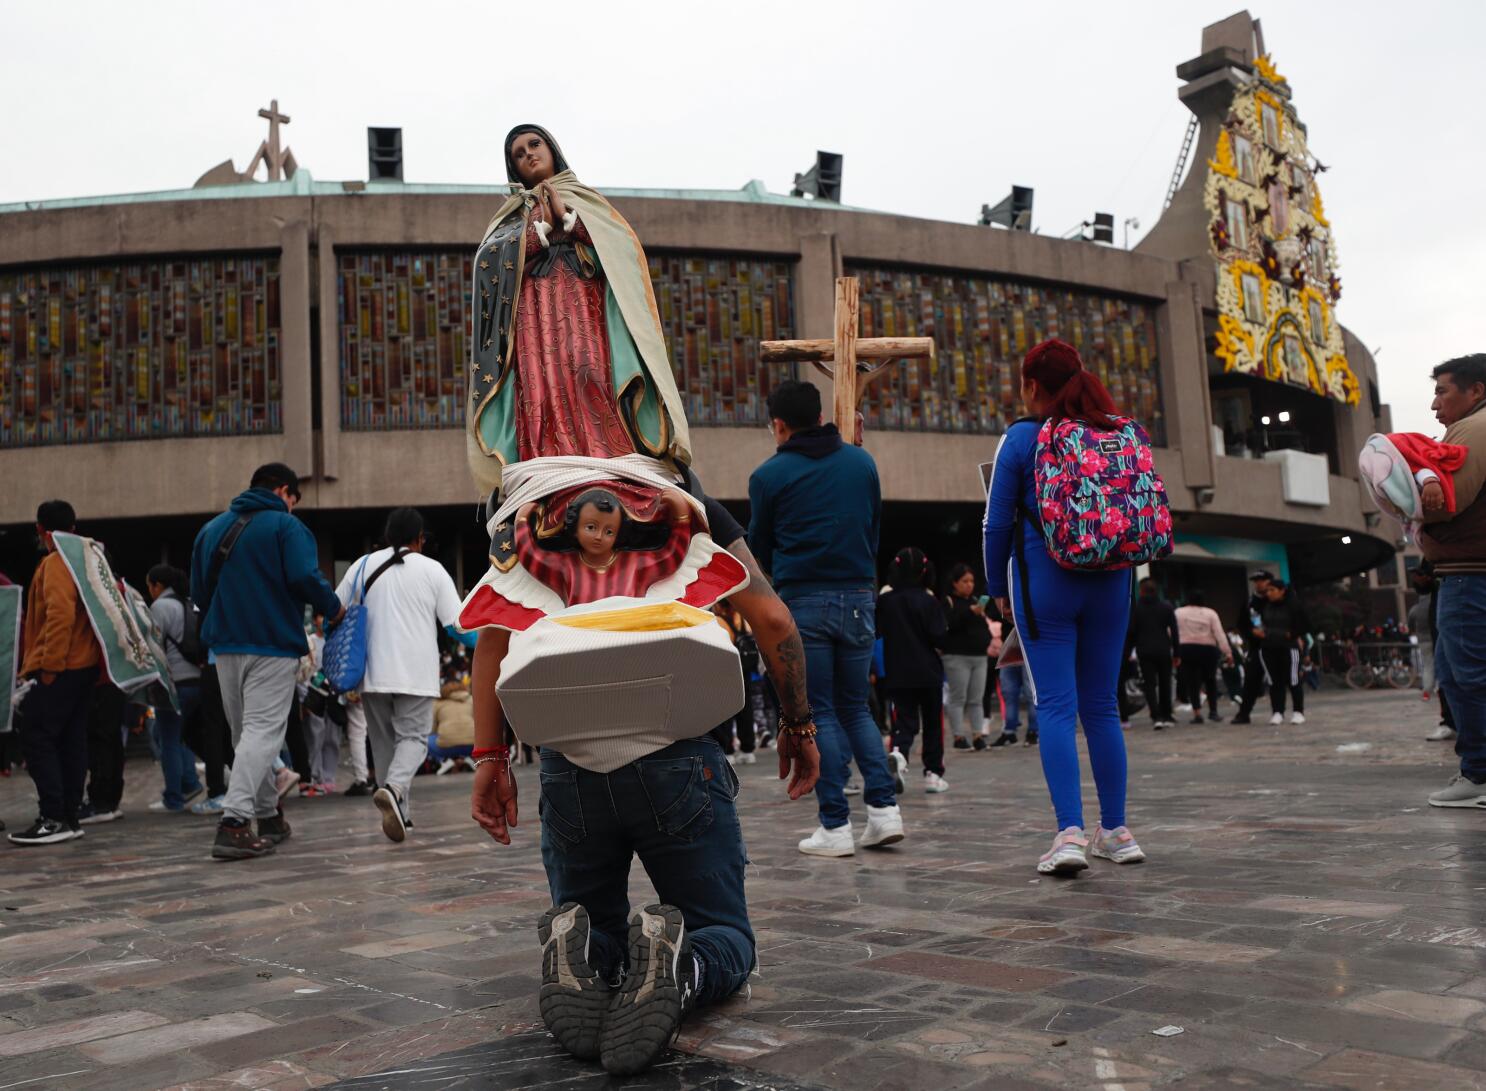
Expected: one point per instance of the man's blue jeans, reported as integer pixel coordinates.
(1012, 681)
(177, 762)
(1460, 667)
(674, 809)
(837, 628)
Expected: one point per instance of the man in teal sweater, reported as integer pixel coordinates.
(252, 570)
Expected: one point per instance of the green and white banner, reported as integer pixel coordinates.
(10, 649)
(133, 650)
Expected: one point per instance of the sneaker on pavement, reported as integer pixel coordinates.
(1276, 719)
(980, 742)
(852, 787)
(573, 999)
(1006, 738)
(884, 827)
(44, 831)
(209, 805)
(89, 817)
(1159, 725)
(447, 766)
(1241, 718)
(933, 782)
(1297, 717)
(1441, 734)
(1066, 857)
(359, 788)
(284, 781)
(660, 988)
(1460, 792)
(1197, 719)
(275, 828)
(962, 743)
(824, 842)
(239, 843)
(160, 806)
(1031, 739)
(188, 796)
(747, 757)
(899, 765)
(1117, 844)
(394, 814)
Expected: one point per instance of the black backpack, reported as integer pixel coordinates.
(191, 647)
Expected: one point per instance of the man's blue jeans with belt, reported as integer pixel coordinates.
(1460, 666)
(674, 809)
(838, 628)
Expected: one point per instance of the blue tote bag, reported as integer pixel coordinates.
(344, 660)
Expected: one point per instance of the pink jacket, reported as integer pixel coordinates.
(1201, 625)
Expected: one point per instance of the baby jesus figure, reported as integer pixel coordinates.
(602, 551)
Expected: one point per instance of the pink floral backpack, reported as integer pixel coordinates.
(1101, 502)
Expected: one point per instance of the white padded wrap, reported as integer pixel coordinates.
(536, 478)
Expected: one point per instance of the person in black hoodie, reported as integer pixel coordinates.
(1248, 625)
(1153, 633)
(1283, 630)
(911, 623)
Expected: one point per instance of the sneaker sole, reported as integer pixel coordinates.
(221, 853)
(50, 839)
(644, 1017)
(1066, 866)
(1478, 801)
(830, 853)
(572, 1000)
(392, 824)
(1138, 858)
(883, 842)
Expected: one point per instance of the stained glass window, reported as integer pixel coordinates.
(714, 311)
(982, 326)
(404, 337)
(144, 350)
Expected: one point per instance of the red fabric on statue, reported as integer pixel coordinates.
(631, 574)
(1423, 453)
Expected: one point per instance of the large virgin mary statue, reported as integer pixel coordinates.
(569, 358)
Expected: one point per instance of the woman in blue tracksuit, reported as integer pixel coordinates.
(1071, 624)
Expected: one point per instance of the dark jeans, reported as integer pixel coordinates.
(838, 628)
(920, 708)
(1200, 672)
(674, 809)
(1282, 669)
(177, 762)
(1460, 666)
(1155, 679)
(212, 733)
(54, 735)
(106, 748)
(1012, 681)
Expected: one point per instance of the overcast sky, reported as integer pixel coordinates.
(938, 109)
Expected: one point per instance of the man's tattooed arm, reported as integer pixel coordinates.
(774, 629)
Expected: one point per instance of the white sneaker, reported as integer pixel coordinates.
(1277, 718)
(1297, 717)
(1183, 707)
(448, 765)
(933, 782)
(852, 787)
(1441, 734)
(884, 827)
(1066, 857)
(824, 842)
(899, 765)
(747, 757)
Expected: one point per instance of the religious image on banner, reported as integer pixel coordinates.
(1277, 283)
(11, 598)
(133, 650)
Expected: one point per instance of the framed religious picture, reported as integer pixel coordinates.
(1238, 223)
(1253, 299)
(1243, 156)
(1318, 322)
(1269, 119)
(1279, 208)
(1295, 367)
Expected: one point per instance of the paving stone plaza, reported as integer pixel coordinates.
(1304, 917)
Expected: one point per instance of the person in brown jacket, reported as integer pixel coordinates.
(1454, 542)
(61, 655)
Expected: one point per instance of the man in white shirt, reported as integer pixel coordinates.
(408, 598)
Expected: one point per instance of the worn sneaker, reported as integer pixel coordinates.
(898, 765)
(1460, 792)
(962, 743)
(1066, 857)
(1241, 718)
(852, 787)
(824, 842)
(240, 843)
(1441, 734)
(747, 757)
(44, 831)
(980, 742)
(1297, 717)
(275, 828)
(89, 817)
(884, 827)
(394, 814)
(934, 783)
(1117, 844)
(660, 988)
(1277, 719)
(1031, 739)
(573, 998)
(209, 805)
(447, 766)
(284, 781)
(1006, 738)
(358, 788)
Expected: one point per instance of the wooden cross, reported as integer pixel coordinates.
(849, 374)
(269, 152)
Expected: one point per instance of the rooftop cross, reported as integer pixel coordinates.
(279, 161)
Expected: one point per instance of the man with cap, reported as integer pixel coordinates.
(252, 570)
(1250, 624)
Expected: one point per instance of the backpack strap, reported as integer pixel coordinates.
(1018, 545)
(221, 553)
(396, 558)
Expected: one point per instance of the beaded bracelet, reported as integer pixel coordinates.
(797, 731)
(797, 721)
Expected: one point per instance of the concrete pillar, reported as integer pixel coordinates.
(330, 356)
(815, 299)
(1184, 393)
(294, 345)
